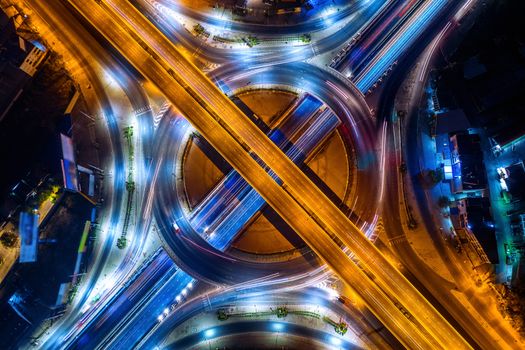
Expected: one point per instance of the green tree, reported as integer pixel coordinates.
(306, 38)
(436, 175)
(9, 239)
(222, 315)
(252, 41)
(121, 242)
(198, 29)
(443, 201)
(43, 195)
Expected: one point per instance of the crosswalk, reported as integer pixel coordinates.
(379, 229)
(158, 117)
(397, 239)
(143, 110)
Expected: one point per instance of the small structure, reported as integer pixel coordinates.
(28, 229)
(468, 170)
(44, 289)
(473, 68)
(20, 60)
(514, 178)
(509, 134)
(474, 224)
(514, 194)
(69, 166)
(451, 122)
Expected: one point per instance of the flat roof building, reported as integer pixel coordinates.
(468, 170)
(473, 222)
(19, 61)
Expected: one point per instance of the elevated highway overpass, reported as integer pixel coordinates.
(319, 222)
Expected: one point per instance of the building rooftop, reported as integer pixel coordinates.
(452, 121)
(481, 224)
(473, 68)
(516, 180)
(19, 61)
(467, 163)
(512, 130)
(42, 287)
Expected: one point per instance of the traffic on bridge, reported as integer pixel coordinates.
(262, 180)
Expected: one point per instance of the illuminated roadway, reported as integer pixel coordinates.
(426, 275)
(188, 246)
(239, 58)
(319, 207)
(69, 31)
(246, 296)
(498, 336)
(134, 322)
(403, 38)
(396, 228)
(316, 23)
(171, 132)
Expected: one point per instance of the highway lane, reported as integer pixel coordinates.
(238, 269)
(127, 342)
(224, 229)
(228, 190)
(134, 308)
(77, 38)
(498, 335)
(483, 322)
(436, 286)
(57, 17)
(368, 329)
(358, 129)
(301, 189)
(155, 305)
(376, 35)
(257, 56)
(401, 245)
(346, 55)
(263, 81)
(231, 192)
(399, 43)
(144, 318)
(147, 282)
(187, 246)
(151, 63)
(311, 25)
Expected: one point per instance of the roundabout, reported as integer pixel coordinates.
(329, 130)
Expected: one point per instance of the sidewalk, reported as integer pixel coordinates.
(208, 320)
(499, 207)
(210, 31)
(431, 159)
(255, 12)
